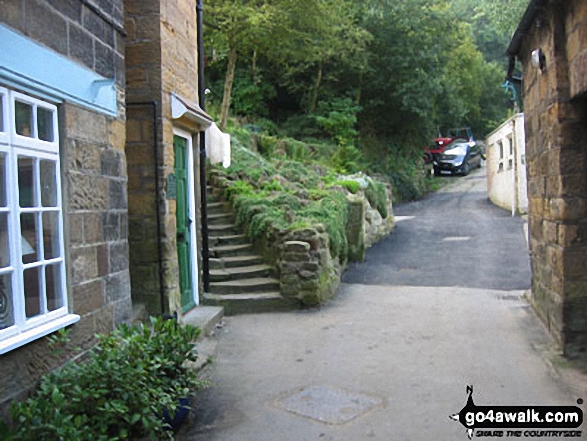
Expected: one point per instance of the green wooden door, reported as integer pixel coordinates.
(183, 222)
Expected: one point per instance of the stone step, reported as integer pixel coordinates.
(232, 239)
(254, 286)
(216, 230)
(231, 250)
(250, 302)
(204, 317)
(217, 207)
(240, 273)
(220, 218)
(213, 197)
(235, 261)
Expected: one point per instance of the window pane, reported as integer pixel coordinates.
(45, 124)
(51, 234)
(2, 100)
(32, 292)
(53, 284)
(2, 180)
(23, 114)
(6, 315)
(48, 184)
(26, 181)
(4, 248)
(28, 227)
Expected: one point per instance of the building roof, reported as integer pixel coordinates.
(525, 23)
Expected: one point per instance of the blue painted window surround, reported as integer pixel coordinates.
(33, 68)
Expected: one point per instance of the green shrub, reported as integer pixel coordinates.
(300, 126)
(129, 380)
(269, 146)
(376, 194)
(300, 173)
(272, 185)
(352, 186)
(238, 188)
(267, 126)
(338, 118)
(329, 208)
(347, 160)
(297, 150)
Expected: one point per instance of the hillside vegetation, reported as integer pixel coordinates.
(359, 86)
(292, 186)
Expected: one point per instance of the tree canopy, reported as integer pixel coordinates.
(389, 73)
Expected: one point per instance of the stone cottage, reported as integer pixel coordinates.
(163, 145)
(99, 173)
(551, 46)
(63, 179)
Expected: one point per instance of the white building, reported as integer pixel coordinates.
(506, 166)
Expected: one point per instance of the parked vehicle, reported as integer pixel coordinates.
(437, 147)
(458, 158)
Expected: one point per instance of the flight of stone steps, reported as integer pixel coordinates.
(240, 280)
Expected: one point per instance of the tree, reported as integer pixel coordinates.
(234, 26)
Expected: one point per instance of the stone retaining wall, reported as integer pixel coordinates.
(307, 271)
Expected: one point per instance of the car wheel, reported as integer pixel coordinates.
(436, 172)
(466, 169)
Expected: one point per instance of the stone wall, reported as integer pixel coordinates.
(556, 131)
(366, 226)
(94, 181)
(308, 273)
(161, 58)
(143, 95)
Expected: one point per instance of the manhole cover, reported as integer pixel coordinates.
(329, 405)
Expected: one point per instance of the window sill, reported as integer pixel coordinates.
(37, 332)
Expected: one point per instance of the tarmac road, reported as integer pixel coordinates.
(436, 307)
(455, 237)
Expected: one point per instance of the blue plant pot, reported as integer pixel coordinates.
(181, 412)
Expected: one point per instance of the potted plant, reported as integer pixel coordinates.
(130, 379)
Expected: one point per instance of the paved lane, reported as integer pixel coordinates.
(455, 237)
(437, 306)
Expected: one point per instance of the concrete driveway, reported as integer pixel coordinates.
(390, 357)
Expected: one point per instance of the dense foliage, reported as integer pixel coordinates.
(378, 78)
(285, 190)
(130, 379)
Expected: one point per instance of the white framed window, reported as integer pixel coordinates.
(33, 295)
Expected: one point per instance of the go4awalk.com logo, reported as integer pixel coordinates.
(519, 421)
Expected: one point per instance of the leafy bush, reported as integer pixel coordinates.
(300, 173)
(330, 208)
(283, 193)
(297, 150)
(269, 146)
(377, 196)
(300, 126)
(267, 126)
(249, 97)
(352, 186)
(347, 160)
(238, 188)
(339, 118)
(130, 379)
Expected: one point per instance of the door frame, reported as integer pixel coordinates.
(191, 211)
